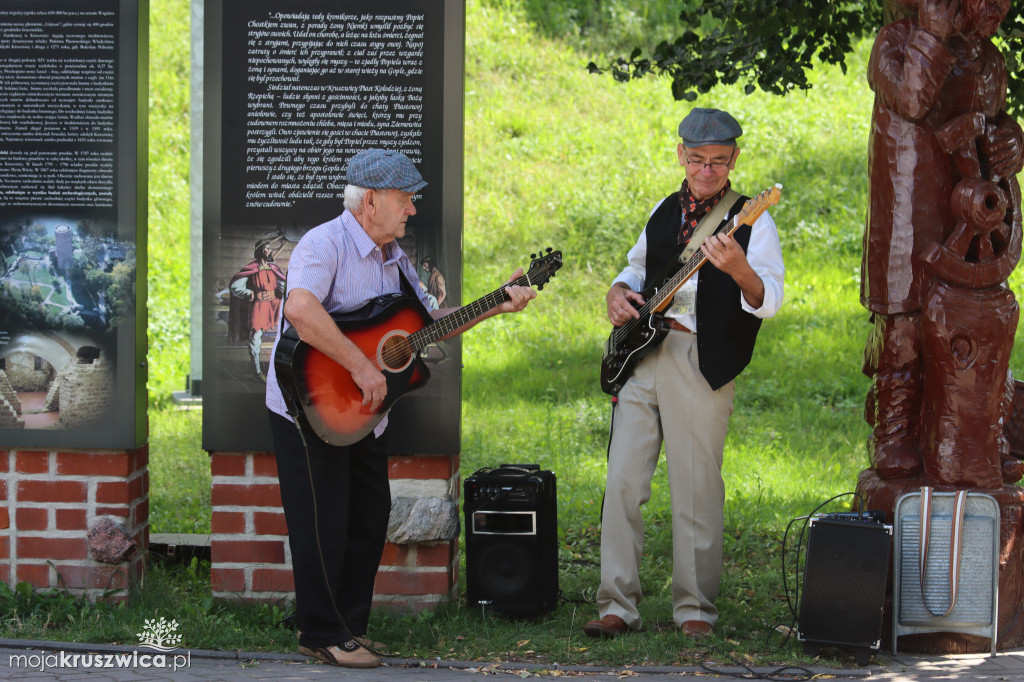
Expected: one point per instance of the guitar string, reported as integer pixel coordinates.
(398, 354)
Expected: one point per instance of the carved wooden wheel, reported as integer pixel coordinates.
(985, 246)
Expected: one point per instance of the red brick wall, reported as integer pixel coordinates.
(48, 501)
(249, 541)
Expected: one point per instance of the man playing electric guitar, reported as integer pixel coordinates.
(681, 392)
(336, 498)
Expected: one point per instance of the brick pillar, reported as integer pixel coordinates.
(49, 500)
(249, 540)
(249, 549)
(419, 576)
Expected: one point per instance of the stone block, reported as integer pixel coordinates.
(422, 519)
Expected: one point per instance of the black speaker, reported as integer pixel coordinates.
(845, 576)
(511, 539)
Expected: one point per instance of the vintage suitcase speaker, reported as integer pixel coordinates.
(511, 539)
(845, 576)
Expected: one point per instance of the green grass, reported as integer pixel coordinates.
(557, 157)
(169, 241)
(179, 493)
(178, 592)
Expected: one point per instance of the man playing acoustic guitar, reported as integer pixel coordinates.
(681, 392)
(336, 498)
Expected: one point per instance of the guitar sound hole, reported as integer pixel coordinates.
(395, 352)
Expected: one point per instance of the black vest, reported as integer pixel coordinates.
(725, 332)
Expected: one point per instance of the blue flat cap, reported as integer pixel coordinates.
(382, 169)
(709, 126)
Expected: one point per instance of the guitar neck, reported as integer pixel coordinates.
(460, 317)
(665, 294)
(750, 212)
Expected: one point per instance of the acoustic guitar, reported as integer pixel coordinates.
(391, 331)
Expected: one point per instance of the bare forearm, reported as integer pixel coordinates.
(751, 285)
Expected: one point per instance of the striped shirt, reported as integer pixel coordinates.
(340, 265)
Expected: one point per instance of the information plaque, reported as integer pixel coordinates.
(73, 156)
(291, 92)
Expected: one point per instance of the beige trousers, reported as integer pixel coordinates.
(667, 399)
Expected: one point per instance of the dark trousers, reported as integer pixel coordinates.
(344, 493)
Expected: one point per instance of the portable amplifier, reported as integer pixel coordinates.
(511, 539)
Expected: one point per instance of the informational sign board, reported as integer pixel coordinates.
(73, 185)
(291, 92)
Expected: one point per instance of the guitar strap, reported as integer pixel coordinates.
(710, 222)
(407, 287)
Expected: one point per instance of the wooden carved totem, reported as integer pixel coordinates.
(943, 234)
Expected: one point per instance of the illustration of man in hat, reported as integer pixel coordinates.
(258, 289)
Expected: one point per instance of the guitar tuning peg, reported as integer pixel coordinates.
(548, 249)
(533, 256)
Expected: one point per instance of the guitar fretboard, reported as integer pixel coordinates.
(462, 316)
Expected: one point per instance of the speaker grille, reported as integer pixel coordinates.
(506, 571)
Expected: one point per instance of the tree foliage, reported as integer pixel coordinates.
(772, 44)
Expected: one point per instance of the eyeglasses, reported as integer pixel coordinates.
(717, 166)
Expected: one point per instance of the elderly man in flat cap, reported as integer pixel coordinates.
(681, 393)
(337, 499)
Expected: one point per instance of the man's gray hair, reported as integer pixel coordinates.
(354, 198)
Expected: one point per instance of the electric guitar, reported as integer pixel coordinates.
(628, 344)
(391, 331)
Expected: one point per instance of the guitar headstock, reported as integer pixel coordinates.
(756, 206)
(543, 268)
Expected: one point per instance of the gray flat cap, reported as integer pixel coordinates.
(709, 126)
(382, 169)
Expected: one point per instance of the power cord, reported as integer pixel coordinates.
(582, 600)
(794, 602)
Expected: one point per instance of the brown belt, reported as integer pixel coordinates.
(673, 324)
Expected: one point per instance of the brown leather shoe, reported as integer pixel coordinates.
(608, 627)
(697, 629)
(346, 655)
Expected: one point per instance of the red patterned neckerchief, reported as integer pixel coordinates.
(694, 210)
